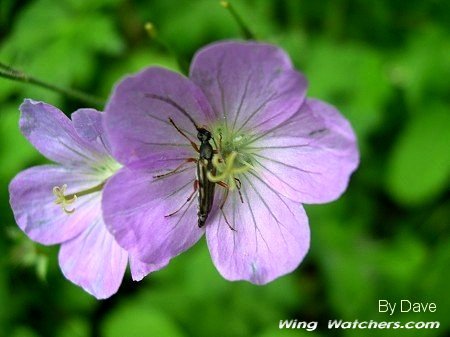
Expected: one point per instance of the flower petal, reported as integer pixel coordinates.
(139, 269)
(136, 208)
(35, 211)
(137, 115)
(249, 85)
(88, 124)
(52, 134)
(310, 157)
(270, 239)
(94, 261)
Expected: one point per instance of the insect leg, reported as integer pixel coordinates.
(187, 200)
(227, 189)
(189, 160)
(239, 185)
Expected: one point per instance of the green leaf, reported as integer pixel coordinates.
(23, 331)
(419, 165)
(352, 77)
(400, 261)
(346, 260)
(133, 319)
(5, 292)
(59, 47)
(18, 156)
(435, 280)
(75, 298)
(423, 67)
(74, 326)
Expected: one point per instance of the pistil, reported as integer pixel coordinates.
(69, 199)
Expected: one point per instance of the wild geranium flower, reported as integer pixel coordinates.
(61, 203)
(273, 148)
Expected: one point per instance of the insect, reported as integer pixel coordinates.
(205, 187)
(205, 167)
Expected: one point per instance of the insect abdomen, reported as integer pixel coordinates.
(205, 190)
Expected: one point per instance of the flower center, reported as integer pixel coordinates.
(231, 158)
(102, 171)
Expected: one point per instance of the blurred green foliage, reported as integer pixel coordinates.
(385, 64)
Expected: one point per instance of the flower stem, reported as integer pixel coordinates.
(246, 32)
(152, 33)
(14, 74)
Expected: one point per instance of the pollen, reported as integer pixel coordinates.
(227, 169)
(64, 200)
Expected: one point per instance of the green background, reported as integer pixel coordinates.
(385, 64)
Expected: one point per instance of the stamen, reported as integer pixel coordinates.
(227, 169)
(63, 200)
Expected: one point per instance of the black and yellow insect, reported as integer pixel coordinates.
(205, 186)
(202, 184)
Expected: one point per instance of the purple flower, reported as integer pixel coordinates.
(284, 150)
(61, 203)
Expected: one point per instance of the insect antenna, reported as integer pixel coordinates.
(184, 135)
(175, 105)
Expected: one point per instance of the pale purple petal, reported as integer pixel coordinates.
(310, 157)
(136, 208)
(33, 203)
(52, 134)
(140, 269)
(138, 112)
(88, 124)
(270, 239)
(249, 85)
(94, 261)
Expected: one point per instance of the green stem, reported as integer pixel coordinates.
(153, 35)
(245, 30)
(13, 74)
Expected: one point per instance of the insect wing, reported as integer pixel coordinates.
(205, 190)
